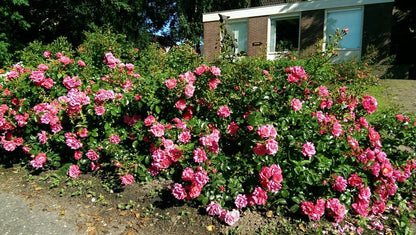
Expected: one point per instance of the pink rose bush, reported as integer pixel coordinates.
(233, 137)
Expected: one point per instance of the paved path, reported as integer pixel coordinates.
(21, 218)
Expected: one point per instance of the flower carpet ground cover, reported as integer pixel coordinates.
(94, 210)
(297, 141)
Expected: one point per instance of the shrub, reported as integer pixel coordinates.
(231, 135)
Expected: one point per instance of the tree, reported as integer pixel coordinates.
(12, 23)
(404, 32)
(70, 18)
(188, 16)
(24, 21)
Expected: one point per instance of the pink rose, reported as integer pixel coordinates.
(83, 132)
(353, 143)
(315, 212)
(43, 67)
(189, 90)
(201, 69)
(127, 179)
(175, 154)
(231, 217)
(259, 149)
(81, 63)
(194, 191)
(157, 130)
(271, 147)
(92, 155)
(171, 83)
(199, 155)
(39, 161)
(47, 83)
(378, 207)
(74, 171)
(308, 149)
(354, 180)
(259, 196)
(13, 74)
(291, 78)
(99, 110)
(184, 137)
(188, 174)
(213, 83)
(340, 184)
(111, 60)
(297, 74)
(47, 54)
(65, 60)
(180, 104)
(77, 155)
(267, 131)
(272, 185)
(232, 128)
(336, 129)
(114, 139)
(265, 173)
(296, 104)
(56, 128)
(240, 201)
(201, 178)
(42, 138)
(73, 143)
(373, 135)
(338, 210)
(361, 208)
(224, 111)
(37, 76)
(179, 191)
(369, 104)
(213, 209)
(323, 91)
(149, 120)
(189, 77)
(215, 71)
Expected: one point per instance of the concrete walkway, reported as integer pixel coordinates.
(18, 217)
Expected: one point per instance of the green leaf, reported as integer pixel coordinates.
(282, 201)
(295, 199)
(157, 109)
(284, 193)
(294, 208)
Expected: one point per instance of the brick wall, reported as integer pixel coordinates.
(312, 30)
(257, 36)
(211, 40)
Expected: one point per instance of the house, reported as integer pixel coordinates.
(296, 26)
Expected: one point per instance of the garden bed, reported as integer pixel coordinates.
(287, 146)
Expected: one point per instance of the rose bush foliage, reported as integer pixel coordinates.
(231, 135)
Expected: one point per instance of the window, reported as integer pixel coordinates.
(284, 34)
(350, 19)
(239, 30)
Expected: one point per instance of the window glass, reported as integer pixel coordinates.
(239, 30)
(284, 34)
(346, 19)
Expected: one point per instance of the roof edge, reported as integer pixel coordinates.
(288, 8)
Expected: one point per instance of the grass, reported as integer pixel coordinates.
(395, 95)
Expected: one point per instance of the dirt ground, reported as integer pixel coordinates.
(43, 204)
(83, 207)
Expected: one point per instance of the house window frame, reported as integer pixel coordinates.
(340, 49)
(229, 22)
(279, 54)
